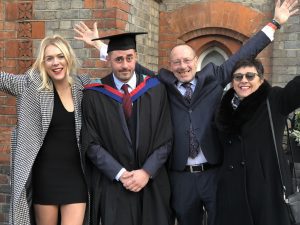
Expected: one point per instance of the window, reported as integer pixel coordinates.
(215, 55)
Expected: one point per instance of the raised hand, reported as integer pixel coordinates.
(285, 10)
(86, 34)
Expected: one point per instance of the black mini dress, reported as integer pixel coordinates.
(57, 173)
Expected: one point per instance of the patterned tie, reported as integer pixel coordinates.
(188, 92)
(194, 144)
(127, 103)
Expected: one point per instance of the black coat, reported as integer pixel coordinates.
(249, 190)
(110, 145)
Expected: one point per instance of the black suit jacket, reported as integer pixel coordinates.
(211, 81)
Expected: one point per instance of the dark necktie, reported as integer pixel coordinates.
(193, 142)
(188, 92)
(127, 103)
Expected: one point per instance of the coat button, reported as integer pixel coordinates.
(230, 142)
(242, 163)
(230, 167)
(190, 111)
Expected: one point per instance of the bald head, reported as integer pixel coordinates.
(182, 47)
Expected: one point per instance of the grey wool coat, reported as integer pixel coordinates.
(34, 112)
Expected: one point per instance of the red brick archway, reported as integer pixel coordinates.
(202, 25)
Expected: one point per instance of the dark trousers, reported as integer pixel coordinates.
(191, 193)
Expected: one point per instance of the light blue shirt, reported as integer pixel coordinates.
(200, 158)
(181, 89)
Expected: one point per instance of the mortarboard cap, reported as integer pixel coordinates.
(122, 41)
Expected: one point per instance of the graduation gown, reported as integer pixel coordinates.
(111, 142)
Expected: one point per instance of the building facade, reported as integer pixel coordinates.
(214, 28)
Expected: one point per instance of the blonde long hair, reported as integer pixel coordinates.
(39, 64)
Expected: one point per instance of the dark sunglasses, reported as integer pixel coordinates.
(239, 76)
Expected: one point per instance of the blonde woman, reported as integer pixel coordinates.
(47, 175)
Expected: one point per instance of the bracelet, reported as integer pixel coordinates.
(272, 25)
(276, 24)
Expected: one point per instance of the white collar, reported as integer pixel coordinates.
(131, 83)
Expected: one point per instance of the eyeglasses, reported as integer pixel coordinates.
(185, 61)
(249, 76)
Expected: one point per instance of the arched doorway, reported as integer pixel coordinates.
(213, 54)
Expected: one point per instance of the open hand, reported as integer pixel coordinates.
(86, 34)
(285, 10)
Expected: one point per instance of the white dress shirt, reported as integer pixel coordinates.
(131, 86)
(131, 83)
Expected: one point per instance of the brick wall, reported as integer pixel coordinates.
(201, 24)
(112, 17)
(286, 52)
(144, 16)
(261, 5)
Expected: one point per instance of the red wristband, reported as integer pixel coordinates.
(272, 26)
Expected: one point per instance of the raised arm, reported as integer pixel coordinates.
(84, 33)
(259, 41)
(12, 84)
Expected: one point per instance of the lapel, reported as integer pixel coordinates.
(47, 104)
(77, 88)
(109, 80)
(172, 88)
(199, 86)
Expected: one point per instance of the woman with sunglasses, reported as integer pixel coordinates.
(250, 189)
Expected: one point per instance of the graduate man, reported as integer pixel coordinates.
(127, 135)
